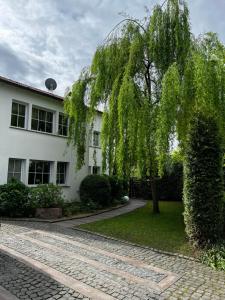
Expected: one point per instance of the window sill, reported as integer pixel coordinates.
(96, 147)
(64, 185)
(60, 185)
(40, 132)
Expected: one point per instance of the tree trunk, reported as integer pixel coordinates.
(154, 196)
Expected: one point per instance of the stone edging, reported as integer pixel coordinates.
(62, 219)
(90, 215)
(137, 245)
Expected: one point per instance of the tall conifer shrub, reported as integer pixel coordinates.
(203, 182)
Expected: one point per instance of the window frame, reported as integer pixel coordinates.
(98, 168)
(19, 103)
(42, 173)
(14, 167)
(62, 124)
(45, 121)
(64, 173)
(93, 139)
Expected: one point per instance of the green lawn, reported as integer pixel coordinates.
(164, 231)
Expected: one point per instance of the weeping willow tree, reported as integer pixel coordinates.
(201, 87)
(125, 78)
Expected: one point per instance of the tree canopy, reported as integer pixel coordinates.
(200, 88)
(126, 79)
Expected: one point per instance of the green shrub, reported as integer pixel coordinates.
(46, 196)
(215, 257)
(117, 187)
(71, 208)
(203, 182)
(14, 199)
(95, 190)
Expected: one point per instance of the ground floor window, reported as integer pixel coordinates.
(96, 170)
(39, 172)
(61, 172)
(14, 168)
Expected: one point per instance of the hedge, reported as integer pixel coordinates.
(203, 182)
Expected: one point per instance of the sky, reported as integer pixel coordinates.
(57, 38)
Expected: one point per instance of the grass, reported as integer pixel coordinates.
(164, 231)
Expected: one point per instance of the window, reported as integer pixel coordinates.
(96, 138)
(89, 170)
(96, 170)
(39, 172)
(63, 125)
(42, 120)
(18, 115)
(14, 168)
(61, 173)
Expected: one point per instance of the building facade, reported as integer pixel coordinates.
(34, 148)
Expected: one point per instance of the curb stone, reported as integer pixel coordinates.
(62, 219)
(138, 245)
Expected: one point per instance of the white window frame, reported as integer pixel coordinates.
(42, 173)
(93, 139)
(67, 125)
(66, 172)
(46, 110)
(98, 170)
(22, 168)
(25, 117)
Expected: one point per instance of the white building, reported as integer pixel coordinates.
(33, 145)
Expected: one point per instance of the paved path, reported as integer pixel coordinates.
(133, 204)
(45, 261)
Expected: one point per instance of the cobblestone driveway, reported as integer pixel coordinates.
(45, 261)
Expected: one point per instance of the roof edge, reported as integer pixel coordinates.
(30, 88)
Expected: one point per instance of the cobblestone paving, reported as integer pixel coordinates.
(116, 269)
(26, 283)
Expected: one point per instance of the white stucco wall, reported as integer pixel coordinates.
(30, 145)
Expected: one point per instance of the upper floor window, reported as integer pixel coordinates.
(61, 172)
(39, 172)
(96, 138)
(63, 124)
(42, 120)
(18, 115)
(14, 168)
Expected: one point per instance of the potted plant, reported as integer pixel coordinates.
(48, 201)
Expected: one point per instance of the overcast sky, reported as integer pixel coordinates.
(57, 38)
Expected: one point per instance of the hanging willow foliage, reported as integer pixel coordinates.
(126, 78)
(201, 88)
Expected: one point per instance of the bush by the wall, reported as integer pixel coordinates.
(118, 187)
(14, 199)
(46, 196)
(203, 182)
(95, 189)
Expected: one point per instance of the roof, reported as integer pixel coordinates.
(30, 88)
(34, 90)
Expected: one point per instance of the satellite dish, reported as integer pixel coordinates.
(50, 84)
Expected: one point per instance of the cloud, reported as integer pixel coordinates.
(10, 61)
(41, 39)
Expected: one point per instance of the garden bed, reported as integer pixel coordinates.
(77, 216)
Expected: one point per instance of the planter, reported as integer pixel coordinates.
(48, 213)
